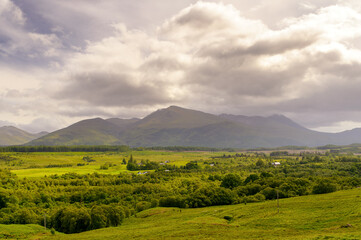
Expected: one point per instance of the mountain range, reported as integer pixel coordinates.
(175, 126)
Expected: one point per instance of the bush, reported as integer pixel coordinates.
(25, 216)
(141, 206)
(324, 187)
(172, 202)
(71, 220)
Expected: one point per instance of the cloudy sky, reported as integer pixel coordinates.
(62, 61)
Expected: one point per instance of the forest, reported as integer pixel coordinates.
(79, 201)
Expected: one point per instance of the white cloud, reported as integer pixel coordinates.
(208, 52)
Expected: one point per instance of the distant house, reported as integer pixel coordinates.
(161, 163)
(276, 164)
(212, 164)
(166, 161)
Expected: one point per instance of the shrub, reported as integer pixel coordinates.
(71, 220)
(324, 187)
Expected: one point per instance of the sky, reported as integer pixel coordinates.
(62, 61)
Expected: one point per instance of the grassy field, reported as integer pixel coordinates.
(30, 231)
(328, 216)
(35, 164)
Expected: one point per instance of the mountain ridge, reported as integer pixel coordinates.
(186, 127)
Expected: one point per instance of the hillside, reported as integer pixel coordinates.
(87, 132)
(326, 216)
(13, 136)
(175, 126)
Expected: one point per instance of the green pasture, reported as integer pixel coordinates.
(29, 231)
(35, 164)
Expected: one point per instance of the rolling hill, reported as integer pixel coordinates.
(325, 216)
(13, 136)
(175, 126)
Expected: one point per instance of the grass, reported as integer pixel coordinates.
(309, 217)
(34, 164)
(30, 231)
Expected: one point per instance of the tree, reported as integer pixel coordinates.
(324, 187)
(71, 220)
(231, 181)
(251, 178)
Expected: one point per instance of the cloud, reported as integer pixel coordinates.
(302, 60)
(209, 52)
(21, 44)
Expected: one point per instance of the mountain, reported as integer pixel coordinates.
(175, 126)
(87, 132)
(13, 136)
(122, 123)
(182, 127)
(274, 121)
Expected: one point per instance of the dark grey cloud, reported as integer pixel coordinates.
(105, 89)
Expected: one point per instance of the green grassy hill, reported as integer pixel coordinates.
(87, 132)
(327, 216)
(17, 231)
(13, 136)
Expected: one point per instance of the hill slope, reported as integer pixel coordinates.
(308, 217)
(13, 136)
(87, 132)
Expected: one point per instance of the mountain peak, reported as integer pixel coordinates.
(177, 117)
(284, 120)
(174, 109)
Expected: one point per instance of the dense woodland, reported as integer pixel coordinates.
(75, 203)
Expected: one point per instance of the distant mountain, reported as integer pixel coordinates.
(175, 126)
(13, 136)
(269, 122)
(182, 127)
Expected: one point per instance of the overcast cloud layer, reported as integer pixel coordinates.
(63, 61)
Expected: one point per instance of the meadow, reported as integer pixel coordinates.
(38, 164)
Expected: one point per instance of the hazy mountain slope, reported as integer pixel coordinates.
(13, 136)
(346, 137)
(123, 124)
(274, 121)
(87, 132)
(281, 131)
